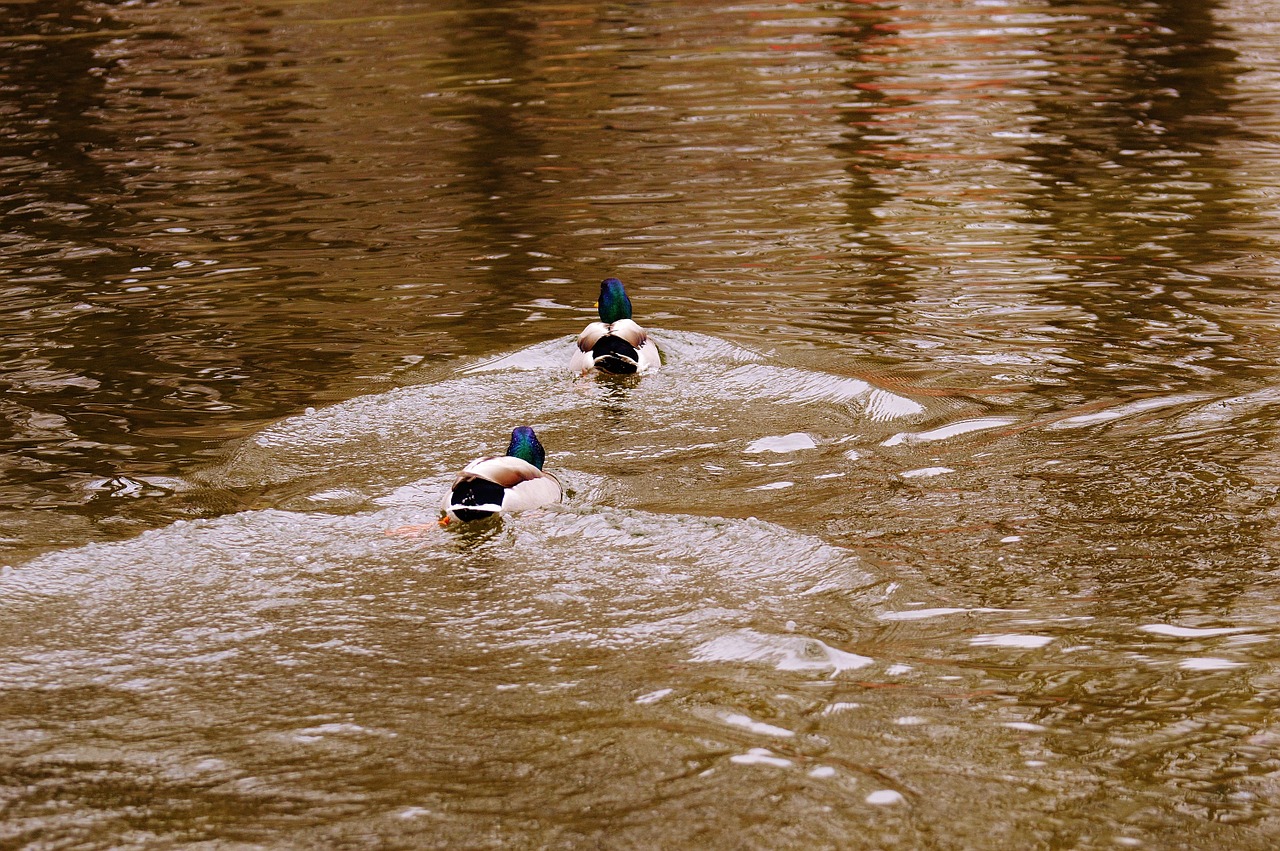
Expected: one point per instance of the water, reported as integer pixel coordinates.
(949, 521)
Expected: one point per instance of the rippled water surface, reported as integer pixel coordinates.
(948, 522)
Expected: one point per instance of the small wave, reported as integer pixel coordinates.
(284, 585)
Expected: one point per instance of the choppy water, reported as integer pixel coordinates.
(949, 521)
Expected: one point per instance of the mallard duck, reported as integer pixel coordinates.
(503, 484)
(615, 344)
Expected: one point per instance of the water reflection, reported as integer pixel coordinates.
(60, 217)
(1021, 178)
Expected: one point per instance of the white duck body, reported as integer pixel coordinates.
(620, 347)
(501, 484)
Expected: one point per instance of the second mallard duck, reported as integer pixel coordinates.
(615, 344)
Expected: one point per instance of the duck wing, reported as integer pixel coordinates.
(503, 470)
(591, 335)
(533, 493)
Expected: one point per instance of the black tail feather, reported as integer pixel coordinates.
(615, 355)
(475, 492)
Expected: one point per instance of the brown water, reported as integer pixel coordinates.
(949, 522)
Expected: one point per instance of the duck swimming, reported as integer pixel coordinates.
(503, 484)
(615, 344)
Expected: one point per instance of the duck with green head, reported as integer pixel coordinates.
(615, 344)
(503, 484)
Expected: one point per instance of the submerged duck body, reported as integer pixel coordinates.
(616, 344)
(503, 484)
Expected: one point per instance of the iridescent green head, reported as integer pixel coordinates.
(525, 446)
(613, 304)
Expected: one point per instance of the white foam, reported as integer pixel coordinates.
(785, 652)
(1010, 640)
(948, 431)
(654, 696)
(794, 442)
(748, 723)
(334, 494)
(1128, 409)
(922, 614)
(1209, 663)
(1189, 631)
(925, 472)
(883, 405)
(760, 756)
(884, 797)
